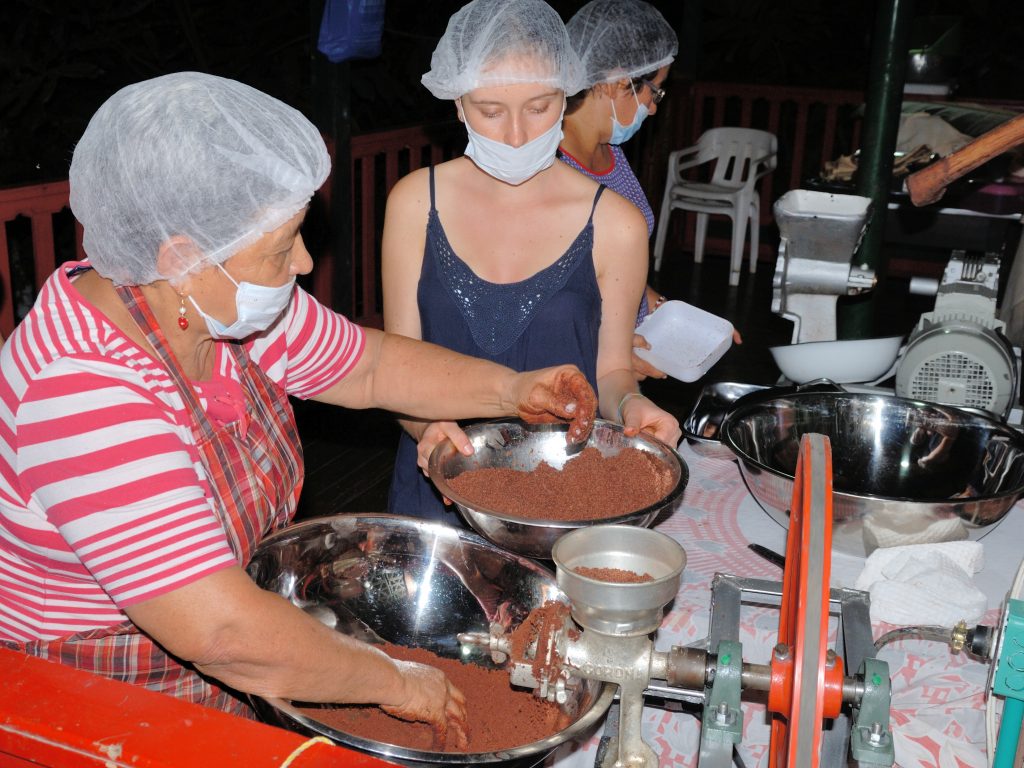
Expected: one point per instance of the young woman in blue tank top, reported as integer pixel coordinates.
(504, 253)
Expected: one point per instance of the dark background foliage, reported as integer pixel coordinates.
(61, 58)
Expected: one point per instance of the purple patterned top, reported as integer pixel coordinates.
(619, 178)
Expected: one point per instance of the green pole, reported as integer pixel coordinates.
(886, 77)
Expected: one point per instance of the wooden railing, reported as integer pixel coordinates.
(37, 230)
(812, 125)
(33, 219)
(379, 160)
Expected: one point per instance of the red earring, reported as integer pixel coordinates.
(182, 320)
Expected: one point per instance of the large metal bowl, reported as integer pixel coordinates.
(386, 578)
(520, 446)
(904, 471)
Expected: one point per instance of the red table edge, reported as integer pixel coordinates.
(54, 715)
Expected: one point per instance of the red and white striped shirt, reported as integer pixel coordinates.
(103, 498)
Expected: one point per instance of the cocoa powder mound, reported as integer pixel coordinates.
(614, 575)
(500, 716)
(590, 486)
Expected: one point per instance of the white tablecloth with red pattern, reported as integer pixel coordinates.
(938, 704)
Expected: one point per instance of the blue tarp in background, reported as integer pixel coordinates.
(351, 29)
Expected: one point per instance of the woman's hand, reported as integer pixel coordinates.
(556, 394)
(437, 432)
(430, 697)
(641, 415)
(641, 368)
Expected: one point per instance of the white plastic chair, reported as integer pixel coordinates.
(741, 156)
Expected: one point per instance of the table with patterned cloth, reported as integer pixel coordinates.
(938, 705)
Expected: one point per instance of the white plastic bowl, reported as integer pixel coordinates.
(850, 361)
(685, 340)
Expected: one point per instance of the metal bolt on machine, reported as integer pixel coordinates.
(606, 633)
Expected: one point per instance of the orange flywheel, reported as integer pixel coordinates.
(806, 677)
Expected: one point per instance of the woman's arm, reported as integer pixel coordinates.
(430, 382)
(620, 257)
(257, 642)
(621, 264)
(402, 246)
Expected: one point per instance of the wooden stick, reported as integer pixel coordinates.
(927, 185)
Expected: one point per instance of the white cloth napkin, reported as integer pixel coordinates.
(908, 526)
(928, 584)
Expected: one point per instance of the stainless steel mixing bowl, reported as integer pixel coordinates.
(702, 427)
(386, 578)
(904, 471)
(520, 446)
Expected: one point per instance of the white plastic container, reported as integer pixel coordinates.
(685, 340)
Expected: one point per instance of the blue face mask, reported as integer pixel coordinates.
(623, 133)
(256, 308)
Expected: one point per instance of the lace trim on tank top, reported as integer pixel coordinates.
(498, 313)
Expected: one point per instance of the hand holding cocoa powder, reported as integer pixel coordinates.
(559, 394)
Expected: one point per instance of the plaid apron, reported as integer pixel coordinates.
(255, 472)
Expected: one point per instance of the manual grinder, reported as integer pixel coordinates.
(606, 633)
(819, 233)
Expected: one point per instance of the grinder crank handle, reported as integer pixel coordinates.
(927, 185)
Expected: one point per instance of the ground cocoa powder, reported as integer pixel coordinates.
(500, 716)
(614, 575)
(589, 487)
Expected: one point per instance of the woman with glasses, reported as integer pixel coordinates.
(505, 253)
(626, 48)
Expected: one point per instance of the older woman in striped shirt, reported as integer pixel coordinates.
(146, 439)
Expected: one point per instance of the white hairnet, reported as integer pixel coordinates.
(503, 42)
(189, 154)
(621, 39)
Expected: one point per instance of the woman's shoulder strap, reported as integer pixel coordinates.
(597, 196)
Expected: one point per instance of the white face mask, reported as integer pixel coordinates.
(514, 165)
(256, 307)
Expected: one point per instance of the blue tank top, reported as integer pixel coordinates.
(550, 318)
